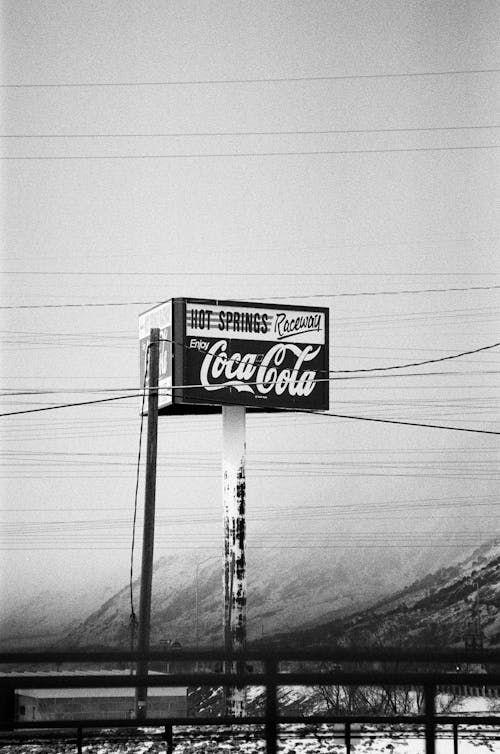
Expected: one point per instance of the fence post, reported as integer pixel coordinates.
(271, 668)
(79, 740)
(430, 718)
(347, 737)
(455, 738)
(169, 738)
(7, 708)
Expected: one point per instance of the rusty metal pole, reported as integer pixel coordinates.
(235, 596)
(149, 523)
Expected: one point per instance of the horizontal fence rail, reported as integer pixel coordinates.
(430, 671)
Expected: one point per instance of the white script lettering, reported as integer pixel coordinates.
(250, 374)
(288, 326)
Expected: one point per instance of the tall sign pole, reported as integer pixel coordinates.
(149, 522)
(235, 595)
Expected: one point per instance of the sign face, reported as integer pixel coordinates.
(255, 355)
(262, 356)
(158, 317)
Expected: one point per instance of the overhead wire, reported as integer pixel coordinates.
(261, 459)
(292, 420)
(301, 411)
(199, 134)
(254, 80)
(349, 379)
(257, 514)
(343, 326)
(7, 393)
(304, 540)
(217, 155)
(196, 548)
(269, 298)
(317, 509)
(213, 454)
(177, 546)
(274, 80)
(407, 365)
(225, 273)
(418, 363)
(336, 415)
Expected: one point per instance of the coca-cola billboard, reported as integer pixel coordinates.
(262, 356)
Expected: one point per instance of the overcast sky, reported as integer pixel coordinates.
(343, 154)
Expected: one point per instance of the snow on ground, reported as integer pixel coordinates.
(293, 740)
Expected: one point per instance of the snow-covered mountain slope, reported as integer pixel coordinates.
(287, 588)
(439, 609)
(41, 619)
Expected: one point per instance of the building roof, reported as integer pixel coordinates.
(102, 693)
(125, 691)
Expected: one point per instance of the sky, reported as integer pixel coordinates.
(340, 154)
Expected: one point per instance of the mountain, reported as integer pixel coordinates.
(287, 588)
(439, 609)
(41, 619)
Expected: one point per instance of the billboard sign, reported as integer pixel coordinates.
(262, 356)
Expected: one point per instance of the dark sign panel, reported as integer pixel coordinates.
(262, 356)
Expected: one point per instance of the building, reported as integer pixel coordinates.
(118, 703)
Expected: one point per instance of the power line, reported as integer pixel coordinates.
(449, 357)
(86, 391)
(234, 250)
(296, 132)
(77, 306)
(221, 273)
(417, 363)
(404, 423)
(370, 369)
(212, 455)
(355, 546)
(362, 418)
(296, 411)
(269, 298)
(262, 80)
(290, 153)
(71, 405)
(158, 273)
(101, 527)
(168, 391)
(422, 541)
(321, 509)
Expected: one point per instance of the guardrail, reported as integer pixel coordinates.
(428, 670)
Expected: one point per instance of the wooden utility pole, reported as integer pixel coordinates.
(149, 523)
(235, 597)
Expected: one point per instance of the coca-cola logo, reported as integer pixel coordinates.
(260, 374)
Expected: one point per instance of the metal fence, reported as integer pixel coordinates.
(427, 671)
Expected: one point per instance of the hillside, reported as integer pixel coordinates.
(436, 610)
(42, 619)
(286, 589)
